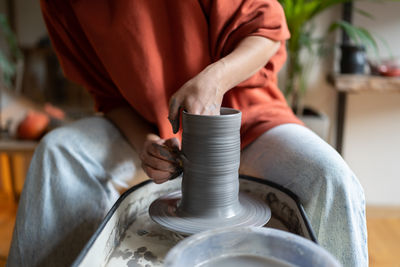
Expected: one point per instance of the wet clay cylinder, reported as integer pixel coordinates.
(211, 148)
(209, 197)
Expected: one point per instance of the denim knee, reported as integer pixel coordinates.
(332, 174)
(55, 139)
(76, 138)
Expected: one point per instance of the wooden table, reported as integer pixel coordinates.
(16, 146)
(349, 83)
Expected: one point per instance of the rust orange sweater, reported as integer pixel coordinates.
(141, 51)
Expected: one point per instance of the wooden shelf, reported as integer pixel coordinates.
(350, 83)
(12, 146)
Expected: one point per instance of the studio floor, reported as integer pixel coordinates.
(383, 235)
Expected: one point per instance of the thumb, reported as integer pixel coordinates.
(173, 143)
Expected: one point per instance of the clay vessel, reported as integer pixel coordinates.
(211, 149)
(209, 196)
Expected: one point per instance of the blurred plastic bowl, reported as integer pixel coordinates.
(248, 246)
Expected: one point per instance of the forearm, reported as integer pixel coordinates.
(135, 129)
(203, 93)
(244, 61)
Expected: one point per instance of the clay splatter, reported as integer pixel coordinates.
(142, 253)
(150, 256)
(142, 232)
(119, 253)
(141, 249)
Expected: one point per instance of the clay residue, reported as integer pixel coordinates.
(119, 253)
(150, 256)
(142, 253)
(284, 213)
(141, 232)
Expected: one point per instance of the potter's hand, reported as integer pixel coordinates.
(200, 95)
(203, 94)
(159, 158)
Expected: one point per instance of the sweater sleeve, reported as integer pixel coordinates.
(231, 21)
(77, 57)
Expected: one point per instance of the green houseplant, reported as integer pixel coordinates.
(10, 55)
(299, 15)
(353, 58)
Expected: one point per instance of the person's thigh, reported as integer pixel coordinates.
(296, 158)
(70, 186)
(98, 148)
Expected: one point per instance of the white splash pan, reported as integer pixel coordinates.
(128, 237)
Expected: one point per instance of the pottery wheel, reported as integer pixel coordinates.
(164, 211)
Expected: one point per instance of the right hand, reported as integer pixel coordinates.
(160, 158)
(200, 95)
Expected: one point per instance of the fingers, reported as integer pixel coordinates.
(189, 103)
(205, 106)
(201, 109)
(174, 113)
(173, 143)
(192, 104)
(159, 164)
(159, 159)
(162, 152)
(157, 176)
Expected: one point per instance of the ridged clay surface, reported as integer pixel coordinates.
(210, 185)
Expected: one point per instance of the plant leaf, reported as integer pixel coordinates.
(364, 13)
(348, 28)
(10, 37)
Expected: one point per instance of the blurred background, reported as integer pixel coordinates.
(34, 98)
(356, 109)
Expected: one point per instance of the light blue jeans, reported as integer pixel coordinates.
(72, 180)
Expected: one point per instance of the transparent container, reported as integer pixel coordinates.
(248, 246)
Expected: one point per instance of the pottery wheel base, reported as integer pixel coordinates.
(254, 212)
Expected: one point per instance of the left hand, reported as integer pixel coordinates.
(160, 158)
(200, 95)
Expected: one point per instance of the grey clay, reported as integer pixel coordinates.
(210, 186)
